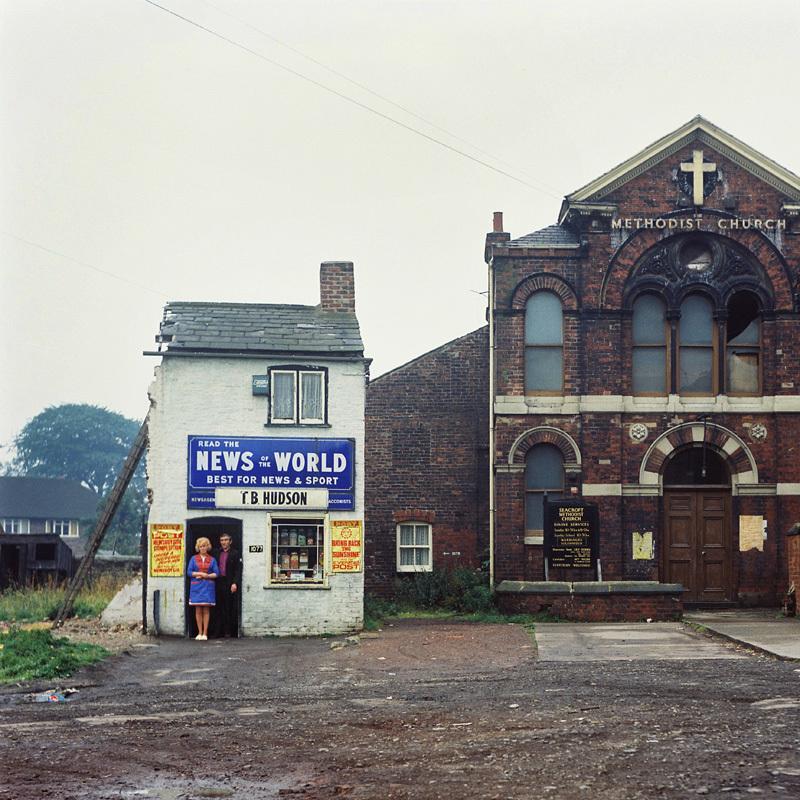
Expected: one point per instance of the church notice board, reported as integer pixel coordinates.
(570, 534)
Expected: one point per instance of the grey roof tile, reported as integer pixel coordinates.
(45, 498)
(551, 236)
(258, 327)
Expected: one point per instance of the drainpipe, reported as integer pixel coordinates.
(491, 421)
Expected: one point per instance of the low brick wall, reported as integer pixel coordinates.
(594, 601)
(793, 554)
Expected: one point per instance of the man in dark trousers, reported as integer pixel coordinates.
(228, 587)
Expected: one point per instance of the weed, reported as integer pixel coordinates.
(29, 604)
(31, 654)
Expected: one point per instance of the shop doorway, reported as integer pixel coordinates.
(697, 549)
(212, 528)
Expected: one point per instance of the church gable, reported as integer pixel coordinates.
(692, 173)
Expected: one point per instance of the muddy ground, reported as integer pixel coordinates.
(425, 710)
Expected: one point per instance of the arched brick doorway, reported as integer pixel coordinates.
(697, 547)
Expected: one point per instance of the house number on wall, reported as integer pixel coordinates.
(256, 548)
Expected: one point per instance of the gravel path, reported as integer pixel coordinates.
(425, 710)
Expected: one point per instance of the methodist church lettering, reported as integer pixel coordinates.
(696, 223)
(570, 534)
(261, 472)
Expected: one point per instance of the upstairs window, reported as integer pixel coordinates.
(59, 526)
(297, 396)
(17, 525)
(743, 345)
(696, 350)
(544, 474)
(649, 346)
(544, 344)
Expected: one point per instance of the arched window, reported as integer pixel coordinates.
(743, 345)
(696, 351)
(544, 337)
(544, 472)
(649, 346)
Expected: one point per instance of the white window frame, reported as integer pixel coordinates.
(17, 525)
(297, 417)
(52, 524)
(429, 547)
(309, 518)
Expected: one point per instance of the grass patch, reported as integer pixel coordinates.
(29, 655)
(30, 604)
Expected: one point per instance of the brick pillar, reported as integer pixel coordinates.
(793, 554)
(336, 286)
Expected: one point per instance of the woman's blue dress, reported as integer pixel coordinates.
(202, 592)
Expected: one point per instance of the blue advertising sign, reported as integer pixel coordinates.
(299, 473)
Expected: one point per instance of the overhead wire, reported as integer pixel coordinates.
(86, 264)
(369, 90)
(347, 98)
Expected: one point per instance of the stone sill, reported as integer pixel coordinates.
(588, 587)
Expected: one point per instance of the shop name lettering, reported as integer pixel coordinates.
(230, 460)
(266, 498)
(695, 223)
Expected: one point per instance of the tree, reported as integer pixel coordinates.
(88, 444)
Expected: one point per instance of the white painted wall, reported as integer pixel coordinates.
(213, 396)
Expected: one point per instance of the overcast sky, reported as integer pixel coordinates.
(145, 159)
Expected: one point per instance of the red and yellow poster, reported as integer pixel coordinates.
(347, 537)
(166, 550)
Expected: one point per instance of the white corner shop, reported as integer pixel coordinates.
(256, 430)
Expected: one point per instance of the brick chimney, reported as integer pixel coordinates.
(497, 238)
(337, 290)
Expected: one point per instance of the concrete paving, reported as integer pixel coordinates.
(622, 641)
(763, 629)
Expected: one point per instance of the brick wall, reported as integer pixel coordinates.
(427, 457)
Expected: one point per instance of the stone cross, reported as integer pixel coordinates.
(697, 168)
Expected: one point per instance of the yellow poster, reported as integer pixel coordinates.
(642, 545)
(751, 533)
(166, 550)
(347, 537)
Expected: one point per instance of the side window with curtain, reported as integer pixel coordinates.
(544, 344)
(649, 346)
(696, 352)
(544, 473)
(297, 396)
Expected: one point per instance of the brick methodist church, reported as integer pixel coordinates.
(642, 356)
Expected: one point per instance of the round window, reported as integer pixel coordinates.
(696, 257)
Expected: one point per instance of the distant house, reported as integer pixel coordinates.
(45, 505)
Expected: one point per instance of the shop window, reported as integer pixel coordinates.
(649, 346)
(414, 547)
(297, 551)
(297, 396)
(743, 345)
(544, 337)
(59, 526)
(544, 475)
(17, 525)
(696, 351)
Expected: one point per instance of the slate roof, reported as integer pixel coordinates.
(551, 236)
(45, 498)
(257, 328)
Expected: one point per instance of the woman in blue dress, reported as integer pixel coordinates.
(202, 571)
